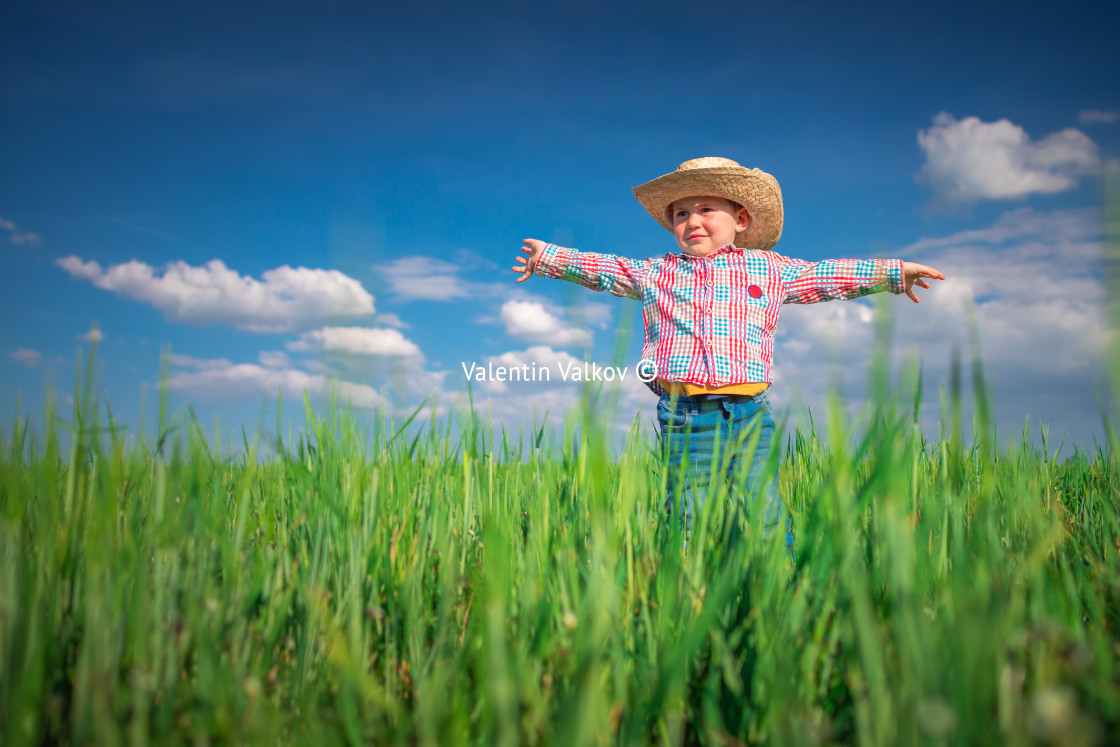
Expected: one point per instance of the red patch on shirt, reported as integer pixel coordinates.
(755, 291)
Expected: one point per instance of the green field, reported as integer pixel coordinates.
(437, 585)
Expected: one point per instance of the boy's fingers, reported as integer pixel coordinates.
(924, 271)
(528, 264)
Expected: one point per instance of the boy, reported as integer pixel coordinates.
(710, 314)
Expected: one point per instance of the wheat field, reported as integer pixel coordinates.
(430, 583)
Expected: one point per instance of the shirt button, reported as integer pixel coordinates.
(710, 283)
(709, 343)
(708, 310)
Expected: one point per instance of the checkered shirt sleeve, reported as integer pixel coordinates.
(621, 276)
(833, 279)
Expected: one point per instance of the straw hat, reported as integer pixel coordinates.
(754, 189)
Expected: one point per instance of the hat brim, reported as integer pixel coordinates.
(754, 189)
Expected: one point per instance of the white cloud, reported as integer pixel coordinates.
(424, 278)
(1095, 116)
(27, 357)
(1034, 283)
(219, 380)
(274, 359)
(514, 402)
(20, 238)
(314, 365)
(189, 361)
(970, 160)
(355, 341)
(285, 299)
(93, 335)
(390, 320)
(400, 382)
(370, 354)
(80, 269)
(530, 320)
(534, 359)
(1067, 227)
(539, 355)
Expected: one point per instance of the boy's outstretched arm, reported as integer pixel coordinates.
(913, 273)
(527, 265)
(833, 279)
(620, 276)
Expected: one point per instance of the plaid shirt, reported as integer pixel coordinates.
(710, 320)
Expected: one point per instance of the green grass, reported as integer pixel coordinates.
(438, 585)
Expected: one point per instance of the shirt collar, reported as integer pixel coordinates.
(725, 249)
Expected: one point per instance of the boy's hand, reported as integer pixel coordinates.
(527, 266)
(913, 273)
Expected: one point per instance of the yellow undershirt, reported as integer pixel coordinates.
(681, 388)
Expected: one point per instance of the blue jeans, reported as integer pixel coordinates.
(744, 429)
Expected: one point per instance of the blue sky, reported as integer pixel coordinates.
(292, 193)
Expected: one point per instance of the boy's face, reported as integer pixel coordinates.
(703, 225)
